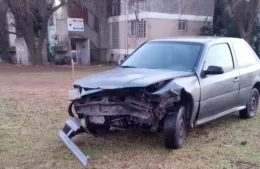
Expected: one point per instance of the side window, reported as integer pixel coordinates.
(245, 54)
(219, 55)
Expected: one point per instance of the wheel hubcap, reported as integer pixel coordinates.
(253, 103)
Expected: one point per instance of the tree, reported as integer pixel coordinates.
(245, 14)
(3, 36)
(206, 30)
(256, 38)
(31, 22)
(219, 10)
(223, 21)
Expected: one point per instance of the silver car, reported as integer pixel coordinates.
(167, 85)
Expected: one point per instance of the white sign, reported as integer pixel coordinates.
(76, 24)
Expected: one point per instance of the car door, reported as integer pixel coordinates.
(248, 66)
(219, 93)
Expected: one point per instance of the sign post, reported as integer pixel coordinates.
(73, 69)
(74, 25)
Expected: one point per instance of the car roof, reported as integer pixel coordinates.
(197, 39)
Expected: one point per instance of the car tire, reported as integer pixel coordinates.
(175, 129)
(251, 106)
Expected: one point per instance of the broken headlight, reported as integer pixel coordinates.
(74, 93)
(78, 87)
(154, 87)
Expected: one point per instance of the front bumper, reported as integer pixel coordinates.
(72, 128)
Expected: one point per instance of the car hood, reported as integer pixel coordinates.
(128, 77)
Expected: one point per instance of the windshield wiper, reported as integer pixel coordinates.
(128, 67)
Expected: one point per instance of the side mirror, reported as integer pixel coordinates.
(120, 62)
(213, 70)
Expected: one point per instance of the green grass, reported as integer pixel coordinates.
(33, 108)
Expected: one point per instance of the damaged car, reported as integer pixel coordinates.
(168, 86)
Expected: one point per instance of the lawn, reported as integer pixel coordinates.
(33, 103)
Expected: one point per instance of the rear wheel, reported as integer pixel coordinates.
(252, 105)
(175, 129)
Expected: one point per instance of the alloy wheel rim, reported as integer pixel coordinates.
(253, 102)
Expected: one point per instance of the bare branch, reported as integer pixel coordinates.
(57, 7)
(239, 9)
(10, 32)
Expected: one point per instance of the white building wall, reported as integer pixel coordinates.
(11, 22)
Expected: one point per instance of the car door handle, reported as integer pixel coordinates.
(236, 79)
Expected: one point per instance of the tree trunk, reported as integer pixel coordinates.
(38, 52)
(247, 37)
(35, 50)
(4, 47)
(5, 56)
(31, 49)
(43, 34)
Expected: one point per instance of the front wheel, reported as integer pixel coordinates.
(251, 106)
(175, 129)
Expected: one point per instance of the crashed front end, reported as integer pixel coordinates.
(136, 108)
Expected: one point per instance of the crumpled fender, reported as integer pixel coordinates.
(169, 89)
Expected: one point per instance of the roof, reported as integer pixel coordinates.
(195, 39)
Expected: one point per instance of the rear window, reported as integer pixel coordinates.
(245, 54)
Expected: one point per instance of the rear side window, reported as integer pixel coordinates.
(219, 55)
(245, 54)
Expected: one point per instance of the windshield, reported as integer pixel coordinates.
(179, 56)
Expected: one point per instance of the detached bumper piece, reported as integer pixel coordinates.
(72, 128)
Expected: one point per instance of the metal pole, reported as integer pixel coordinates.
(73, 69)
(72, 61)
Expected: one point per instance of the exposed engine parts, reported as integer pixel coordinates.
(126, 108)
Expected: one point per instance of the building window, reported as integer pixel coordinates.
(142, 28)
(138, 28)
(114, 7)
(133, 28)
(183, 25)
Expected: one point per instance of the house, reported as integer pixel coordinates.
(115, 28)
(132, 22)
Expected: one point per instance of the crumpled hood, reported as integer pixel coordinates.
(128, 77)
